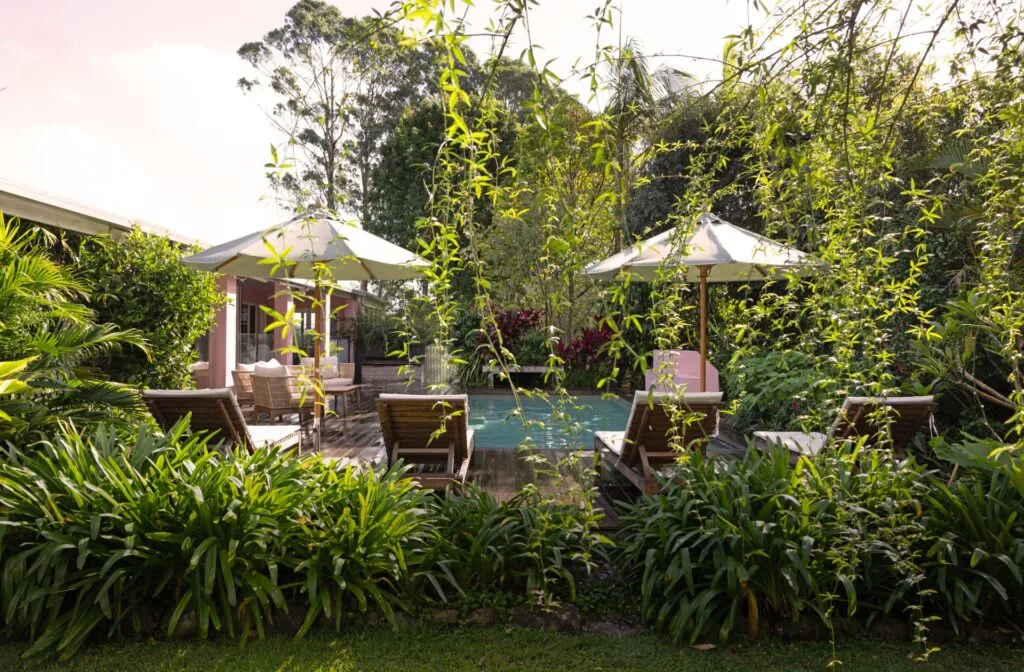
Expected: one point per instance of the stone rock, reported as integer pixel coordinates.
(942, 632)
(563, 618)
(404, 622)
(806, 629)
(984, 633)
(484, 616)
(890, 629)
(612, 628)
(846, 627)
(444, 617)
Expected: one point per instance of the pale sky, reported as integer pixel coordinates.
(130, 106)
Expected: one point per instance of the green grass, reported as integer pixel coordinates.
(495, 649)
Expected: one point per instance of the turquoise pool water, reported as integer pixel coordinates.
(489, 415)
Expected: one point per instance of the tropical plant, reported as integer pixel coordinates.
(525, 545)
(104, 536)
(48, 338)
(746, 543)
(976, 562)
(138, 282)
(776, 390)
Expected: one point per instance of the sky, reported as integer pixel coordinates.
(131, 107)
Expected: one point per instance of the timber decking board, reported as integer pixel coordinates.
(357, 439)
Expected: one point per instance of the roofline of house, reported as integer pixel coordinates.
(38, 206)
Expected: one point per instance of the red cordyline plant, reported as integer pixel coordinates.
(586, 349)
(513, 326)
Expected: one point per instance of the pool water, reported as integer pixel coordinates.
(489, 417)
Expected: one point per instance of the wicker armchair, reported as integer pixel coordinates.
(200, 373)
(243, 386)
(278, 395)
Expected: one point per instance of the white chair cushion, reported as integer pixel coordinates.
(272, 369)
(200, 366)
(245, 367)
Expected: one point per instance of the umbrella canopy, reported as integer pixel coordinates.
(351, 252)
(716, 251)
(733, 255)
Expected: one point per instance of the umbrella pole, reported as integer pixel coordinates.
(704, 328)
(318, 383)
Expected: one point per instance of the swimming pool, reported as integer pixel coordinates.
(489, 417)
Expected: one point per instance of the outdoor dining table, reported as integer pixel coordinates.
(345, 392)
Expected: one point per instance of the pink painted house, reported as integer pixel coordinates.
(237, 335)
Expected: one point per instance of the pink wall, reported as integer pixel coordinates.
(224, 335)
(255, 291)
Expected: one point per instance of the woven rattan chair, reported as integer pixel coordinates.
(278, 395)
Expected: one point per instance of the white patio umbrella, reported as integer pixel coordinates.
(306, 240)
(716, 251)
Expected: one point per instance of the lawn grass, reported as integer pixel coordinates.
(496, 649)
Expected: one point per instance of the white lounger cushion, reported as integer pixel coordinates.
(284, 436)
(612, 440)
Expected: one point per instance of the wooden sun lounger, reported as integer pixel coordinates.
(217, 410)
(409, 423)
(855, 419)
(651, 433)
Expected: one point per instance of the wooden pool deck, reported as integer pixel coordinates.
(503, 472)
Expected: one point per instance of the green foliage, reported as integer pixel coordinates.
(977, 559)
(776, 390)
(533, 349)
(525, 545)
(340, 84)
(138, 282)
(48, 338)
(745, 543)
(104, 537)
(107, 537)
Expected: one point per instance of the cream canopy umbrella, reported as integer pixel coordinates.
(716, 251)
(305, 241)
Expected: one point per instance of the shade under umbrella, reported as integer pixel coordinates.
(716, 251)
(307, 240)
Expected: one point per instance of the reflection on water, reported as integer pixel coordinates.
(489, 416)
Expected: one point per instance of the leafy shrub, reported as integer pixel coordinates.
(47, 338)
(533, 349)
(776, 390)
(755, 539)
(977, 560)
(101, 536)
(526, 545)
(588, 378)
(138, 282)
(976, 563)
